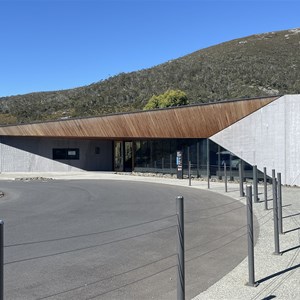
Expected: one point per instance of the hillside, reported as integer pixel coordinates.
(257, 65)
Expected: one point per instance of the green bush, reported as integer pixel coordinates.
(168, 99)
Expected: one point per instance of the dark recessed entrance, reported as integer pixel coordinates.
(123, 156)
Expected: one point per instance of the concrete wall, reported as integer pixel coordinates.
(19, 154)
(269, 137)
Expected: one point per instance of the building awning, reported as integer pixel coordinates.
(192, 121)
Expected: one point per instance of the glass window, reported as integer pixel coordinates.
(65, 153)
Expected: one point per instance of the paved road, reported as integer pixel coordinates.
(114, 239)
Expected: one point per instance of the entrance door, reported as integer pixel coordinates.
(118, 156)
(128, 157)
(123, 156)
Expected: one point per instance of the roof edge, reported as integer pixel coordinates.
(212, 102)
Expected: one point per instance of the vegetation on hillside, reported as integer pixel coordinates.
(168, 99)
(258, 65)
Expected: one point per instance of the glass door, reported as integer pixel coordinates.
(123, 156)
(118, 156)
(128, 157)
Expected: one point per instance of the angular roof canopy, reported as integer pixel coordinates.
(193, 121)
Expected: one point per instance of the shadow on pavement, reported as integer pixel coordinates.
(287, 250)
(291, 230)
(277, 274)
(291, 216)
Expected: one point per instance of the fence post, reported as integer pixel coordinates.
(251, 281)
(225, 177)
(219, 163)
(198, 163)
(279, 201)
(207, 163)
(275, 214)
(180, 249)
(230, 168)
(255, 184)
(265, 188)
(1, 260)
(242, 194)
(190, 176)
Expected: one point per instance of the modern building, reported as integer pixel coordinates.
(261, 131)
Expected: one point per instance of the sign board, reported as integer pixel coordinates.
(179, 165)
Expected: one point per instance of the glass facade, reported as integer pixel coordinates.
(159, 156)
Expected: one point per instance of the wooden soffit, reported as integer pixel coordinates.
(195, 121)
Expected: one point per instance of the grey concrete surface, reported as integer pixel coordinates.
(34, 154)
(114, 237)
(273, 142)
(278, 276)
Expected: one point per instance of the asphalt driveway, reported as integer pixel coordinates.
(100, 239)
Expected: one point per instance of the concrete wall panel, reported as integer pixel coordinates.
(19, 154)
(269, 137)
(292, 139)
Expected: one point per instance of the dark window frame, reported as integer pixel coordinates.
(65, 153)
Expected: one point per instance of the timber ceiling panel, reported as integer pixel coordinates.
(196, 121)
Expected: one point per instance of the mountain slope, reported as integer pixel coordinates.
(258, 65)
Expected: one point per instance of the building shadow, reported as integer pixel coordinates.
(37, 154)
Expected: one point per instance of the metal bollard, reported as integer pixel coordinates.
(198, 162)
(225, 177)
(180, 249)
(251, 281)
(230, 168)
(279, 203)
(207, 163)
(275, 214)
(242, 194)
(255, 184)
(190, 177)
(1, 260)
(208, 182)
(219, 163)
(265, 188)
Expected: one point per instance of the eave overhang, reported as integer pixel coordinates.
(193, 121)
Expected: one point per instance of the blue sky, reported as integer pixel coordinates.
(53, 45)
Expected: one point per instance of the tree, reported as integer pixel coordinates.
(168, 99)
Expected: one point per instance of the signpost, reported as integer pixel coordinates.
(179, 165)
